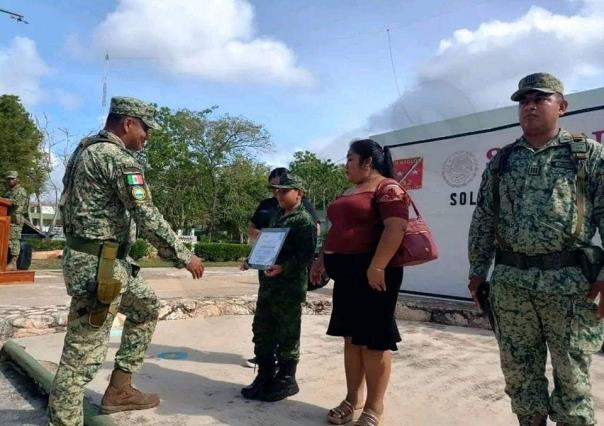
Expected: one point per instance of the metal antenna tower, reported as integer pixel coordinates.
(105, 72)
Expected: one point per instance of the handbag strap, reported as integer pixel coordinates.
(393, 181)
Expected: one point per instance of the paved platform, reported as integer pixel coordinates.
(49, 287)
(442, 376)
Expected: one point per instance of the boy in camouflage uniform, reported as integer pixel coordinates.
(282, 291)
(105, 201)
(541, 198)
(18, 197)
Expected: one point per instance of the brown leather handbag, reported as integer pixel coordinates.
(417, 246)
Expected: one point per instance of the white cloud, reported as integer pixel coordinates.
(476, 70)
(68, 101)
(21, 69)
(335, 148)
(213, 39)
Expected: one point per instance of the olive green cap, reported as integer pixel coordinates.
(133, 107)
(289, 181)
(11, 175)
(541, 82)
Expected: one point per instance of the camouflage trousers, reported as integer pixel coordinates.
(528, 322)
(14, 240)
(276, 329)
(85, 348)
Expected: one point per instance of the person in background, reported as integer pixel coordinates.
(368, 223)
(267, 207)
(282, 291)
(18, 197)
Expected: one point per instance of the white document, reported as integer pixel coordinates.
(267, 247)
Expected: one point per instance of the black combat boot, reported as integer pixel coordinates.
(536, 420)
(284, 384)
(266, 374)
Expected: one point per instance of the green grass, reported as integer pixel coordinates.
(46, 264)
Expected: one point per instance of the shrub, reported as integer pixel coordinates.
(221, 252)
(139, 249)
(45, 244)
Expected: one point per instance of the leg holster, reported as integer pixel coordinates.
(108, 288)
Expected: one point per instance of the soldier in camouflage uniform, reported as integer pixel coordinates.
(105, 199)
(282, 291)
(18, 197)
(532, 215)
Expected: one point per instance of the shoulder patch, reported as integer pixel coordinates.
(134, 177)
(138, 193)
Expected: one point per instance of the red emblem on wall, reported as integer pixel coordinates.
(409, 172)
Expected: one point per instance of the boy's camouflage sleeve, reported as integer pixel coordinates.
(481, 238)
(304, 240)
(134, 193)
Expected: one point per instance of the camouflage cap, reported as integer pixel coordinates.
(11, 175)
(289, 181)
(541, 81)
(133, 107)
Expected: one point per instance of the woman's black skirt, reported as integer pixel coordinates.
(360, 312)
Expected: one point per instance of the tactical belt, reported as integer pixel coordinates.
(555, 260)
(93, 247)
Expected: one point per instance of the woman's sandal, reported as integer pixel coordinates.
(368, 418)
(342, 414)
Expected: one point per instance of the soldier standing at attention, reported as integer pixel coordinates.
(105, 202)
(540, 202)
(18, 197)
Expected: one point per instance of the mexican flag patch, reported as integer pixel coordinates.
(135, 179)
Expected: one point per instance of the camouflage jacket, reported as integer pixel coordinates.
(108, 198)
(538, 212)
(295, 256)
(18, 196)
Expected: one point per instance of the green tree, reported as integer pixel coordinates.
(223, 141)
(173, 169)
(189, 158)
(244, 185)
(20, 145)
(324, 179)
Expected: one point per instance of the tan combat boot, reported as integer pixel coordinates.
(12, 265)
(121, 396)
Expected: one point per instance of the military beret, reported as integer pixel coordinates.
(541, 82)
(133, 107)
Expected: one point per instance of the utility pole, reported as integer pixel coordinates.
(15, 16)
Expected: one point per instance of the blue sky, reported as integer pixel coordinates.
(314, 73)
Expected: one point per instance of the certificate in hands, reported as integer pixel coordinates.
(267, 247)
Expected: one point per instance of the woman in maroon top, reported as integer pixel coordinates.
(368, 224)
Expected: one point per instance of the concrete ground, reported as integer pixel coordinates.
(20, 402)
(49, 287)
(441, 376)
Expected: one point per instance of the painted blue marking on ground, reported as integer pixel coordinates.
(173, 355)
